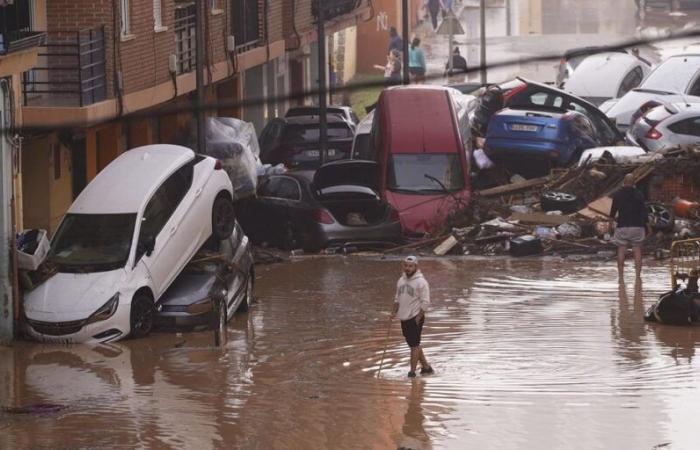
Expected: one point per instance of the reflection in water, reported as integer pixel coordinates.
(529, 354)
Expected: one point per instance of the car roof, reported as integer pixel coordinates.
(590, 50)
(340, 108)
(611, 67)
(313, 120)
(127, 183)
(407, 110)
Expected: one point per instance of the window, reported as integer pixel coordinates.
(245, 17)
(157, 14)
(281, 187)
(307, 134)
(425, 173)
(631, 81)
(185, 38)
(125, 17)
(690, 127)
(214, 5)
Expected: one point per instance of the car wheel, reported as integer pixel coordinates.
(223, 218)
(559, 201)
(660, 217)
(248, 300)
(221, 325)
(142, 316)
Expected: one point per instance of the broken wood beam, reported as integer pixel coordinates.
(513, 187)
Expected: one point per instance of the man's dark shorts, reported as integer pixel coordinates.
(412, 331)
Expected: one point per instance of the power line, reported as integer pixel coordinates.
(167, 110)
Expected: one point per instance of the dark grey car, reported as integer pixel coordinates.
(220, 274)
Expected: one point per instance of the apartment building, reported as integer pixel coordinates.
(116, 74)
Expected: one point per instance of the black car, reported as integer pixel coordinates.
(337, 205)
(294, 141)
(344, 112)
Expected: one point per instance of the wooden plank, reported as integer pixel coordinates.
(539, 219)
(513, 187)
(445, 246)
(601, 206)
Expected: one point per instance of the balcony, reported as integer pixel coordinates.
(335, 8)
(185, 38)
(247, 28)
(71, 70)
(15, 28)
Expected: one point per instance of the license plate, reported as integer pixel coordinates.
(316, 153)
(520, 127)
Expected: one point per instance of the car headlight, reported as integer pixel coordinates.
(201, 307)
(105, 311)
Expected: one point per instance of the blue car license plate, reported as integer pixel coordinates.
(521, 127)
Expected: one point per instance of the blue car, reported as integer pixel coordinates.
(530, 142)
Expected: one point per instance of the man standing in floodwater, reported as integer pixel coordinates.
(411, 302)
(629, 208)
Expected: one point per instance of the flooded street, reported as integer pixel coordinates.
(529, 355)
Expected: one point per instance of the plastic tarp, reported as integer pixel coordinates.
(235, 143)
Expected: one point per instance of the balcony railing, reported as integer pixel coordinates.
(335, 8)
(185, 38)
(71, 70)
(15, 27)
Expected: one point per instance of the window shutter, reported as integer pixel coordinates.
(157, 13)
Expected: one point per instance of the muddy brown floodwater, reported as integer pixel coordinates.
(537, 354)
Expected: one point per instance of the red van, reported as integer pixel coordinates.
(424, 166)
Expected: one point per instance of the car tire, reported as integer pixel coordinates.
(248, 299)
(221, 323)
(141, 316)
(223, 217)
(559, 201)
(661, 218)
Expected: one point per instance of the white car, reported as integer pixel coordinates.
(666, 127)
(606, 75)
(360, 143)
(124, 241)
(672, 81)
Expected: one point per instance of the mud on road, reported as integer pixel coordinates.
(529, 355)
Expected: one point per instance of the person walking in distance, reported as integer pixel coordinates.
(416, 61)
(411, 302)
(630, 211)
(434, 8)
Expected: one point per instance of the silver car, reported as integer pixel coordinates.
(666, 126)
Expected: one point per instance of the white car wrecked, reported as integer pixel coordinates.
(124, 241)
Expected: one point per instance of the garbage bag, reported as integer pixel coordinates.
(235, 144)
(32, 248)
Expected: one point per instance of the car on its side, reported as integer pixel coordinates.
(530, 142)
(667, 126)
(336, 205)
(344, 112)
(294, 141)
(571, 59)
(218, 282)
(621, 72)
(124, 241)
(525, 94)
(671, 82)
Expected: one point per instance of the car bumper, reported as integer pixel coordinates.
(336, 233)
(76, 332)
(169, 320)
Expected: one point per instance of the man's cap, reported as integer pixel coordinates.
(411, 259)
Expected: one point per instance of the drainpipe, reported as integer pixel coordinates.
(7, 312)
(199, 36)
(322, 104)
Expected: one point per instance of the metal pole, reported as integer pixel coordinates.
(199, 37)
(482, 29)
(322, 106)
(405, 13)
(509, 30)
(450, 44)
(7, 313)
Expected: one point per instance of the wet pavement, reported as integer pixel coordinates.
(530, 354)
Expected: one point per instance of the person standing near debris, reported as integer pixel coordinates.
(630, 211)
(410, 304)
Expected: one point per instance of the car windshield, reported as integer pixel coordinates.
(674, 75)
(362, 149)
(425, 173)
(308, 134)
(93, 242)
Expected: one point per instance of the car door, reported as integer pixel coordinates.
(162, 219)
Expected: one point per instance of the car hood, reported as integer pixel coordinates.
(72, 296)
(425, 214)
(188, 289)
(623, 110)
(348, 172)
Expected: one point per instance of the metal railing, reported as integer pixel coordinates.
(71, 70)
(247, 29)
(185, 38)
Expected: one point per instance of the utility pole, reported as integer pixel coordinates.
(405, 13)
(200, 6)
(482, 29)
(509, 30)
(322, 105)
(7, 312)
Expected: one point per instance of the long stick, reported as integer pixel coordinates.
(386, 343)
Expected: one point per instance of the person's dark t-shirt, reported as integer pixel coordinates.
(629, 206)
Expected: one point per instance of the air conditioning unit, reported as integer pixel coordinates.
(231, 44)
(172, 63)
(282, 63)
